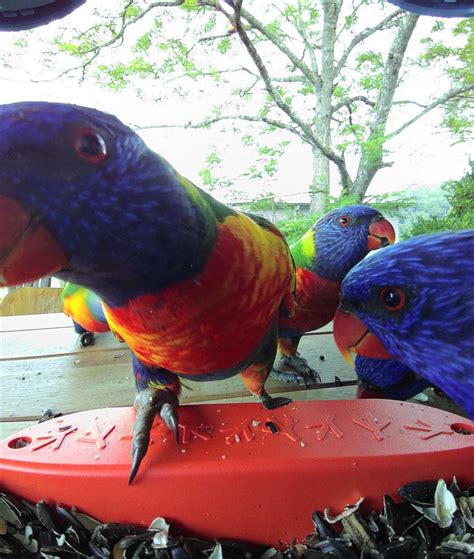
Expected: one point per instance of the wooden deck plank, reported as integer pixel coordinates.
(42, 366)
(88, 379)
(49, 342)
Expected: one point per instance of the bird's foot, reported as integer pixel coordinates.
(48, 414)
(295, 369)
(270, 403)
(148, 403)
(86, 339)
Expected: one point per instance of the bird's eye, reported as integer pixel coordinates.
(392, 298)
(90, 146)
(344, 220)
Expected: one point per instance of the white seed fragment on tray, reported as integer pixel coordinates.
(160, 538)
(217, 552)
(255, 423)
(444, 504)
(350, 509)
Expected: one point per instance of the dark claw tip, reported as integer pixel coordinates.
(272, 403)
(169, 415)
(136, 461)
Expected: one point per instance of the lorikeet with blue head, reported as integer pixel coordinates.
(323, 256)
(86, 312)
(414, 302)
(387, 378)
(194, 287)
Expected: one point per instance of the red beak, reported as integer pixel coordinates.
(352, 336)
(381, 234)
(28, 251)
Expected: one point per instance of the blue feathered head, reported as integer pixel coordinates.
(83, 197)
(341, 238)
(417, 298)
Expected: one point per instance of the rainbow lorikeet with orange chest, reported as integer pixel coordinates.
(414, 302)
(323, 256)
(194, 288)
(86, 311)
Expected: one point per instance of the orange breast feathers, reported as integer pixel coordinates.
(76, 308)
(316, 302)
(219, 319)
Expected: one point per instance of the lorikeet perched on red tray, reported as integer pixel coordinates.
(323, 256)
(85, 309)
(193, 287)
(415, 302)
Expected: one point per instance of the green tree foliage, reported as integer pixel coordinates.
(460, 196)
(295, 228)
(457, 61)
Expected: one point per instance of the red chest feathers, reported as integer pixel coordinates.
(217, 320)
(316, 302)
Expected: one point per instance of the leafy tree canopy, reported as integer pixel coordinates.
(341, 77)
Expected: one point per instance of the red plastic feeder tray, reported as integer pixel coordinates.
(239, 471)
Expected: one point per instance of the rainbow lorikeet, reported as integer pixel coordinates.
(387, 378)
(323, 256)
(192, 286)
(85, 309)
(415, 302)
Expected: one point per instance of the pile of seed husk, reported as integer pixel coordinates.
(432, 522)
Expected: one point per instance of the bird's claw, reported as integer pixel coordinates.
(270, 403)
(296, 371)
(148, 403)
(169, 415)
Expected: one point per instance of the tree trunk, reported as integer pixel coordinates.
(319, 188)
(371, 159)
(322, 119)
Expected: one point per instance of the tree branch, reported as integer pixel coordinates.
(126, 24)
(384, 24)
(443, 99)
(96, 50)
(307, 132)
(256, 24)
(371, 158)
(312, 55)
(350, 100)
(208, 122)
(408, 103)
(355, 9)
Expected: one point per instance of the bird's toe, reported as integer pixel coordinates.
(149, 403)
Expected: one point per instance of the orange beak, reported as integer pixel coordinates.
(352, 337)
(381, 234)
(28, 251)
